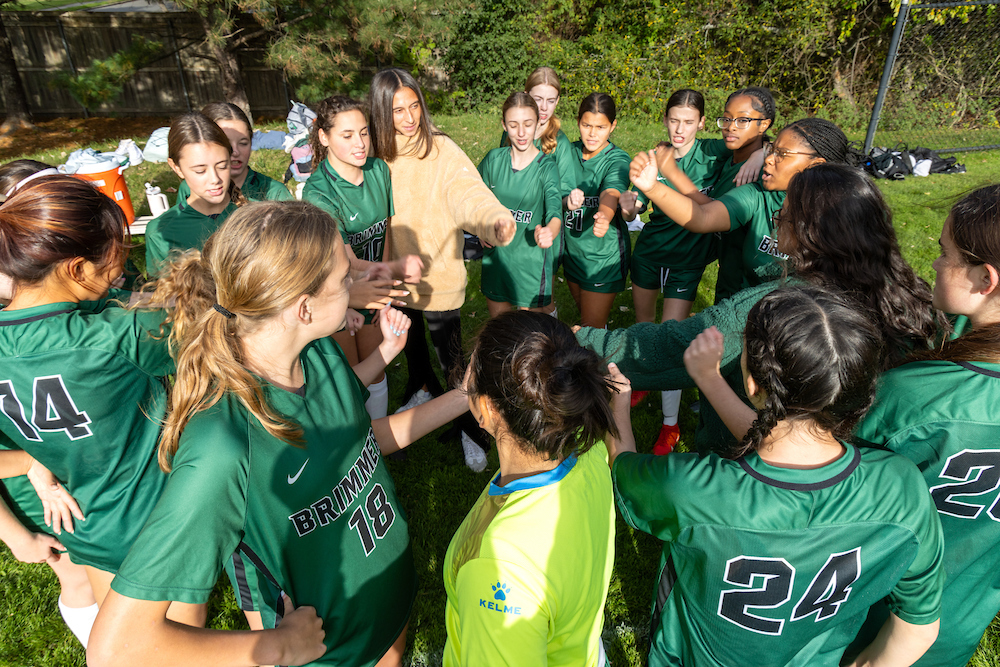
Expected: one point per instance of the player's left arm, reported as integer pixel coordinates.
(702, 360)
(394, 326)
(606, 207)
(622, 409)
(503, 614)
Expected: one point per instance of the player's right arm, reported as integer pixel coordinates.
(683, 210)
(898, 644)
(161, 642)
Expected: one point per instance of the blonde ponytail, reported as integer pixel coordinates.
(259, 261)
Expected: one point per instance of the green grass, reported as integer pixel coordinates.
(433, 483)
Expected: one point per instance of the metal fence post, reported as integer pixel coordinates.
(890, 61)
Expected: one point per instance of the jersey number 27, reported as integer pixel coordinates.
(766, 583)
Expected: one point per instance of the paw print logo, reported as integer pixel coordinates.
(500, 591)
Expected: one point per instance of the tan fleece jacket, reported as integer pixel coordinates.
(435, 199)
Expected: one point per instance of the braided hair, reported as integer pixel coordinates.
(554, 396)
(828, 140)
(760, 99)
(815, 357)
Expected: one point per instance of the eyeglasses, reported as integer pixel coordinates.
(740, 123)
(779, 155)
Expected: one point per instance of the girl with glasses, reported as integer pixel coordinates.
(838, 232)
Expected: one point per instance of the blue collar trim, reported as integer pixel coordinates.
(534, 481)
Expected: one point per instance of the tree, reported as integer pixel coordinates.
(15, 98)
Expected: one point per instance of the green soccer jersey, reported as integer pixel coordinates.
(751, 217)
(943, 417)
(778, 566)
(256, 187)
(82, 391)
(521, 273)
(662, 242)
(527, 572)
(361, 210)
(592, 262)
(566, 161)
(181, 227)
(322, 519)
(730, 247)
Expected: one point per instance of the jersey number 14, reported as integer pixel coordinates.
(766, 583)
(52, 409)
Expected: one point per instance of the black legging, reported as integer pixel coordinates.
(446, 335)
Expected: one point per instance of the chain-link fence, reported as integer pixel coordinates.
(940, 87)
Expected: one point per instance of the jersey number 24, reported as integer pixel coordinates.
(766, 583)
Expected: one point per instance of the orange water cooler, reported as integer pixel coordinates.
(108, 178)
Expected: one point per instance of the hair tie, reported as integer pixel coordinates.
(51, 171)
(223, 311)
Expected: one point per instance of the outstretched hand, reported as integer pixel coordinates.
(58, 505)
(394, 326)
(642, 170)
(574, 200)
(703, 356)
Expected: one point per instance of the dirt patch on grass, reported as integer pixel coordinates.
(63, 132)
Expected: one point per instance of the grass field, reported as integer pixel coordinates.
(433, 483)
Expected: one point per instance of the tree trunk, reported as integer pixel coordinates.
(233, 88)
(18, 115)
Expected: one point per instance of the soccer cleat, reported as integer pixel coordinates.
(667, 440)
(638, 397)
(419, 397)
(475, 457)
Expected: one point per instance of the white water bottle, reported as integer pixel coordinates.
(158, 202)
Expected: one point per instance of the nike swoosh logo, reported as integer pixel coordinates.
(682, 290)
(598, 284)
(354, 216)
(292, 480)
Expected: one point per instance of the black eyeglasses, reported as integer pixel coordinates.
(740, 123)
(779, 155)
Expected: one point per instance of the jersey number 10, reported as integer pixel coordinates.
(766, 583)
(52, 409)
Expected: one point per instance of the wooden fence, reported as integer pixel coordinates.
(186, 78)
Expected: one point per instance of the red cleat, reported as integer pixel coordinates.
(665, 443)
(638, 397)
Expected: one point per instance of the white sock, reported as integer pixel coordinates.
(79, 620)
(555, 312)
(671, 406)
(378, 398)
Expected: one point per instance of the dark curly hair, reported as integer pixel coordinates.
(553, 394)
(841, 236)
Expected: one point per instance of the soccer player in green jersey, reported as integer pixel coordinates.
(83, 379)
(940, 411)
(272, 454)
(527, 572)
(357, 191)
(802, 144)
(775, 557)
(525, 180)
(667, 258)
(199, 153)
(543, 87)
(253, 185)
(838, 230)
(597, 243)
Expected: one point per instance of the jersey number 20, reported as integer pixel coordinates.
(766, 583)
(52, 409)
